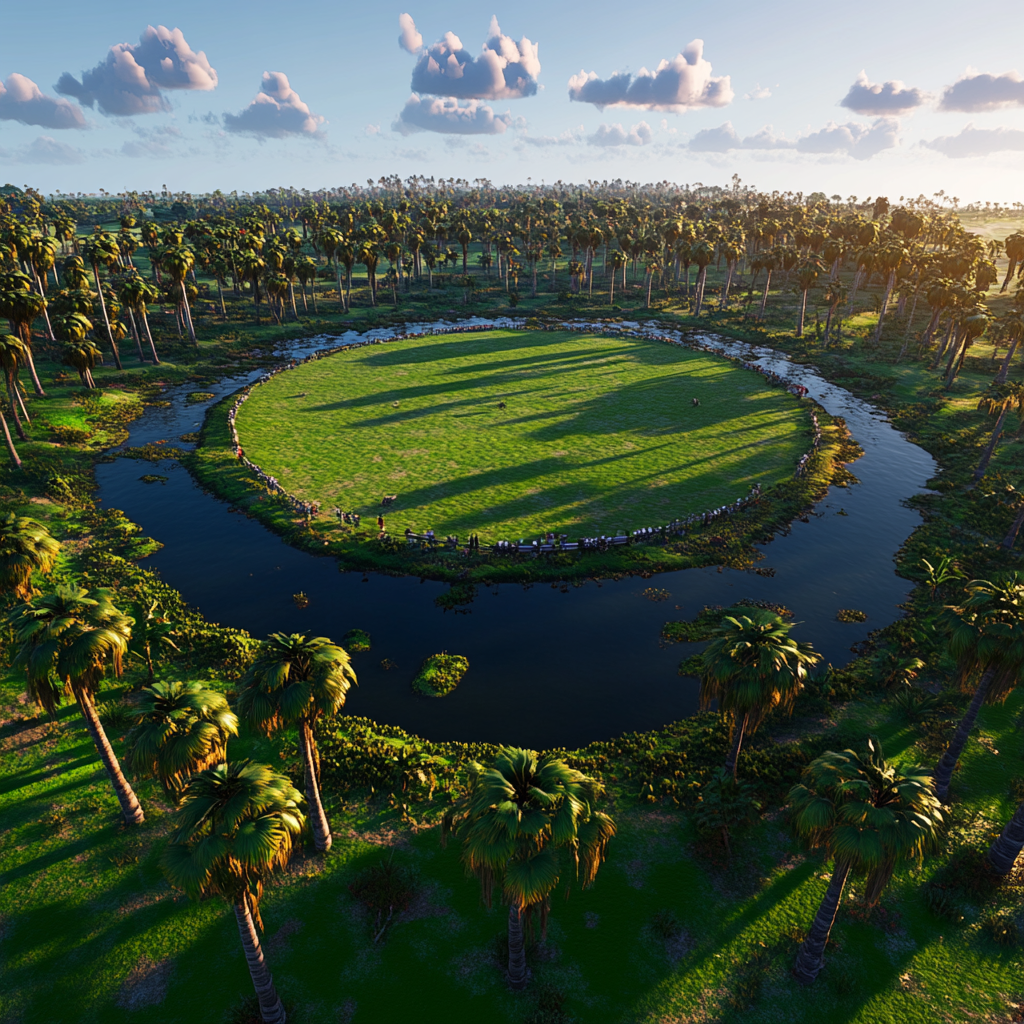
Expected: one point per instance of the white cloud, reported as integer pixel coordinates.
(504, 70)
(450, 117)
(759, 92)
(858, 140)
(22, 100)
(47, 150)
(408, 38)
(973, 92)
(891, 97)
(973, 141)
(275, 113)
(677, 85)
(615, 135)
(133, 77)
(372, 129)
(723, 139)
(570, 137)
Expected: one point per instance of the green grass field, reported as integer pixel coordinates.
(598, 434)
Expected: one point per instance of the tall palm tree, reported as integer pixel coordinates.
(1013, 246)
(102, 250)
(806, 275)
(987, 643)
(82, 356)
(1011, 327)
(180, 729)
(237, 825)
(701, 253)
(867, 816)
(514, 821)
(617, 261)
(752, 666)
(136, 293)
(178, 262)
(12, 353)
(26, 547)
(997, 401)
(22, 307)
(296, 680)
(68, 639)
(835, 293)
(253, 268)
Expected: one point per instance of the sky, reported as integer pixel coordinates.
(867, 99)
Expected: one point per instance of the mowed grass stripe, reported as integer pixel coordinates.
(597, 434)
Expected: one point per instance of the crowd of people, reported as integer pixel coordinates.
(646, 534)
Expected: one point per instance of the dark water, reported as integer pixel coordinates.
(547, 668)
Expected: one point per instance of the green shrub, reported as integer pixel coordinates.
(440, 674)
(356, 640)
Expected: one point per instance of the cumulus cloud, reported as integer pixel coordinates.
(615, 135)
(759, 92)
(504, 70)
(47, 150)
(871, 98)
(860, 141)
(724, 138)
(133, 77)
(22, 100)
(275, 113)
(570, 137)
(450, 117)
(677, 85)
(973, 141)
(974, 92)
(408, 38)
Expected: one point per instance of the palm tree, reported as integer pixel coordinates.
(987, 643)
(22, 308)
(253, 267)
(178, 262)
(752, 666)
(1012, 327)
(68, 638)
(180, 729)
(236, 826)
(136, 293)
(835, 293)
(702, 253)
(806, 275)
(25, 547)
(513, 822)
(1013, 246)
(81, 356)
(296, 680)
(12, 351)
(866, 816)
(616, 260)
(998, 401)
(102, 249)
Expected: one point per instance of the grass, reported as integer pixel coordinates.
(598, 434)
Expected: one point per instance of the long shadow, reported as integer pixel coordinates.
(29, 777)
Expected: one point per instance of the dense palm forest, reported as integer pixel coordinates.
(232, 756)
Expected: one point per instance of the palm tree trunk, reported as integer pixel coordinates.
(291, 295)
(271, 1009)
(699, 289)
(810, 959)
(1005, 368)
(14, 409)
(15, 384)
(149, 336)
(188, 314)
(803, 311)
(890, 281)
(764, 294)
(611, 294)
(734, 752)
(944, 771)
(650, 281)
(135, 334)
(10, 444)
(36, 386)
(1011, 538)
(990, 448)
(1003, 853)
(941, 350)
(130, 807)
(220, 293)
(516, 947)
(314, 804)
(106, 319)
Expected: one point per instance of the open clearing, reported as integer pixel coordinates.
(598, 434)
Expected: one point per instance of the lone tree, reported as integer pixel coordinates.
(867, 817)
(514, 821)
(296, 680)
(237, 825)
(752, 666)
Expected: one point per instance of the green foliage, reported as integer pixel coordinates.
(384, 889)
(356, 640)
(851, 615)
(440, 674)
(195, 397)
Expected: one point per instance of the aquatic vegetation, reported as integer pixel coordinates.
(851, 615)
(440, 674)
(356, 640)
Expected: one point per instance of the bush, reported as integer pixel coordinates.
(440, 674)
(356, 640)
(384, 890)
(1002, 927)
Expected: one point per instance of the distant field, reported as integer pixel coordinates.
(598, 433)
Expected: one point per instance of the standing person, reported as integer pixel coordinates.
(380, 523)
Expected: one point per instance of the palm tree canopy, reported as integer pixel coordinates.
(180, 728)
(238, 822)
(295, 676)
(867, 813)
(67, 638)
(987, 632)
(519, 813)
(25, 547)
(753, 665)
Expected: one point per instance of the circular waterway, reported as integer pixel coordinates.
(549, 666)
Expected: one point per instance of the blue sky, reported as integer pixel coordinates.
(320, 94)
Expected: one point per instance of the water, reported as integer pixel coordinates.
(547, 668)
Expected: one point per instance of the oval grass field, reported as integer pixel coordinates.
(598, 434)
